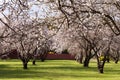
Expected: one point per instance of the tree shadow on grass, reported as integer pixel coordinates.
(44, 72)
(52, 72)
(67, 68)
(33, 74)
(112, 71)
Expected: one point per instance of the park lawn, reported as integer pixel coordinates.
(57, 70)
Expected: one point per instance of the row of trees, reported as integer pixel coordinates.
(96, 28)
(24, 30)
(88, 28)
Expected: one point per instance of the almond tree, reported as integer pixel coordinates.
(115, 49)
(76, 11)
(92, 14)
(26, 30)
(4, 46)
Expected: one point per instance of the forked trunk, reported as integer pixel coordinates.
(25, 59)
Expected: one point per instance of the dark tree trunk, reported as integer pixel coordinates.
(35, 55)
(100, 68)
(25, 59)
(101, 63)
(42, 60)
(81, 58)
(88, 56)
(86, 62)
(43, 57)
(25, 65)
(108, 59)
(116, 59)
(33, 62)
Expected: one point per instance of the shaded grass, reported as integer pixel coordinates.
(56, 70)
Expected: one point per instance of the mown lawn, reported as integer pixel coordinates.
(56, 70)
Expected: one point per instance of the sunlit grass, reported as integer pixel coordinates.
(56, 70)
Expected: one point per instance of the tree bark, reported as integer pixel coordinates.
(42, 60)
(100, 68)
(81, 58)
(117, 57)
(108, 59)
(25, 59)
(86, 62)
(43, 57)
(25, 65)
(33, 62)
(101, 63)
(35, 55)
(116, 61)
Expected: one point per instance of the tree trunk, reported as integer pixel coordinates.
(108, 59)
(25, 65)
(35, 55)
(100, 63)
(100, 68)
(33, 62)
(117, 57)
(116, 61)
(81, 58)
(42, 60)
(43, 57)
(86, 62)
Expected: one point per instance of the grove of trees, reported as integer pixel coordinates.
(85, 28)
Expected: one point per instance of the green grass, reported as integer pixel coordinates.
(57, 70)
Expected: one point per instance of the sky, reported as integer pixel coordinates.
(41, 9)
